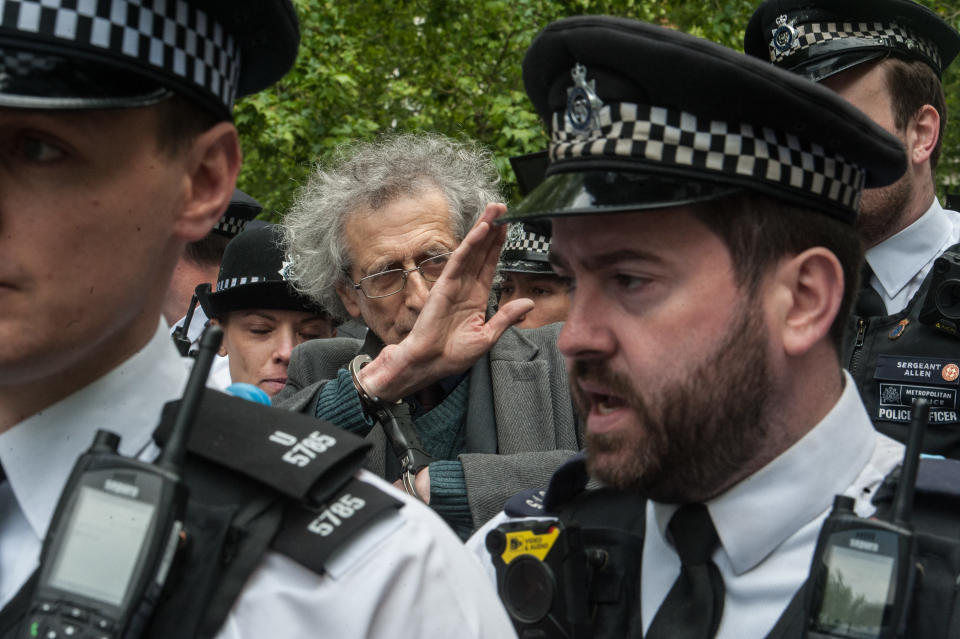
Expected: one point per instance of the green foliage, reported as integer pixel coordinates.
(451, 66)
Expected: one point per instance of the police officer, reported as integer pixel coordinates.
(525, 271)
(261, 315)
(886, 57)
(200, 264)
(116, 149)
(708, 237)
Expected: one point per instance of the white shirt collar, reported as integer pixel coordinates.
(787, 493)
(39, 452)
(896, 260)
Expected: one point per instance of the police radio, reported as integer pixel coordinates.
(116, 531)
(863, 571)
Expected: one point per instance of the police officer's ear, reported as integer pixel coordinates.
(212, 162)
(923, 132)
(805, 297)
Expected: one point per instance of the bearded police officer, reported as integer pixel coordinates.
(116, 149)
(886, 57)
(703, 207)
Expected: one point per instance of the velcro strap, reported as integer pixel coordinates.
(310, 535)
(286, 451)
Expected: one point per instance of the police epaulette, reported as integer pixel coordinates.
(310, 535)
(936, 478)
(567, 481)
(286, 451)
(527, 503)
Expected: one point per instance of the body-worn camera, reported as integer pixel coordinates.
(575, 576)
(542, 577)
(941, 306)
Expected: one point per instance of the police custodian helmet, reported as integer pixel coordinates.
(99, 54)
(254, 274)
(645, 117)
(818, 38)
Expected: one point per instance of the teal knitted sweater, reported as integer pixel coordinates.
(441, 432)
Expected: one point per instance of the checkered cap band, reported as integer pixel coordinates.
(671, 137)
(223, 285)
(168, 35)
(22, 63)
(230, 225)
(891, 35)
(528, 241)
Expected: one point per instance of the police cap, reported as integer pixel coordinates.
(242, 209)
(98, 54)
(645, 117)
(818, 38)
(526, 250)
(254, 274)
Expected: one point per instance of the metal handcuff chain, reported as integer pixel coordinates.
(397, 425)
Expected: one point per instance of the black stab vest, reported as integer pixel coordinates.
(894, 359)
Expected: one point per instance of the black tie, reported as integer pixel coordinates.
(869, 303)
(694, 606)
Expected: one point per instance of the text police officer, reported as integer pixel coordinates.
(116, 149)
(886, 58)
(703, 206)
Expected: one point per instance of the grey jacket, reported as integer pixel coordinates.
(520, 420)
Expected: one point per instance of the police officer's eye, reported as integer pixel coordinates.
(630, 281)
(541, 292)
(506, 290)
(39, 150)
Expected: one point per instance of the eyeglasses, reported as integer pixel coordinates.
(391, 282)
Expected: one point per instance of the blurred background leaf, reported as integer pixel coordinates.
(451, 66)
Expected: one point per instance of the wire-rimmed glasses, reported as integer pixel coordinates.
(386, 283)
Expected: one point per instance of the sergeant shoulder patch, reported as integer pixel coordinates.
(310, 535)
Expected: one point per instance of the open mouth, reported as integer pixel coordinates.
(606, 404)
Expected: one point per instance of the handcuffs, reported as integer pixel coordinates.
(397, 425)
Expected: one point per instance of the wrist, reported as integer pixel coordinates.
(381, 378)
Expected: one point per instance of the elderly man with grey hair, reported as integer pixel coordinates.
(397, 233)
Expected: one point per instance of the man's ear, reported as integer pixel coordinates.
(922, 134)
(349, 299)
(807, 298)
(213, 163)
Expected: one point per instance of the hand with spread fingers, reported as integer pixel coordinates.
(452, 331)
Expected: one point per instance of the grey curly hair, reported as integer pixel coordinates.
(366, 176)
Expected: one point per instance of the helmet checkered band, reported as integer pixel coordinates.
(888, 35)
(671, 137)
(528, 241)
(230, 225)
(223, 285)
(168, 35)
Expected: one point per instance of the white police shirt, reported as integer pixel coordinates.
(901, 262)
(405, 576)
(768, 523)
